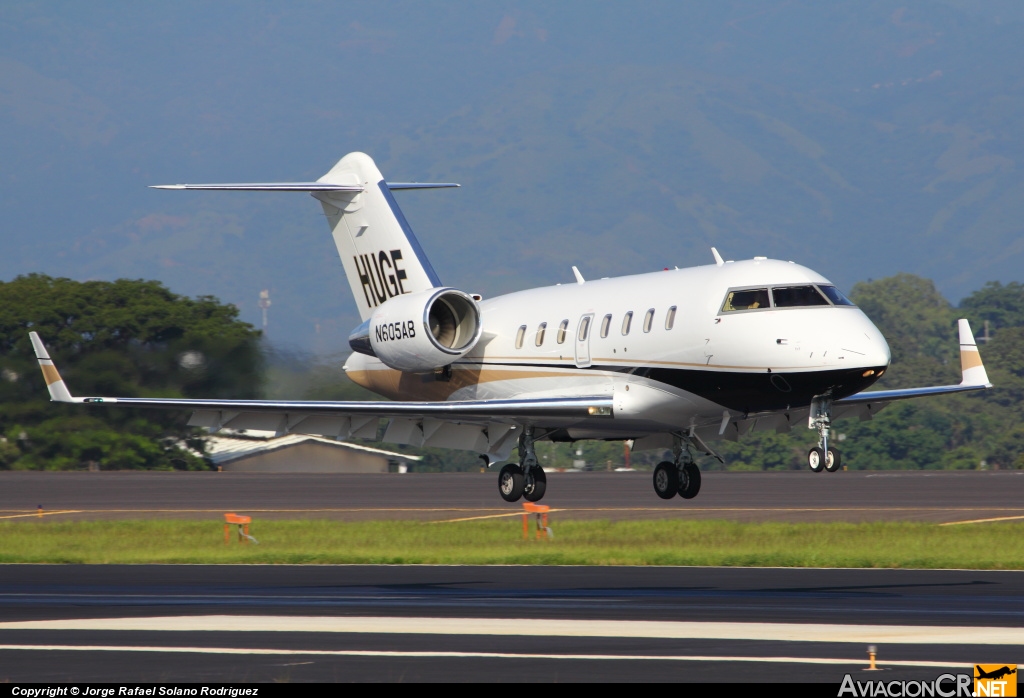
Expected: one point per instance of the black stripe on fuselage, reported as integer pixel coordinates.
(744, 391)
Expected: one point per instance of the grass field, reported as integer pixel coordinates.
(916, 545)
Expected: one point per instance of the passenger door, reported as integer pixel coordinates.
(583, 332)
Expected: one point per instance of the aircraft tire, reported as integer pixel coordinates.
(511, 482)
(539, 483)
(666, 480)
(689, 484)
(816, 459)
(833, 461)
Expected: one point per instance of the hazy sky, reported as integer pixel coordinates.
(859, 138)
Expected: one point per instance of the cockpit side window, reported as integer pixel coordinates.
(747, 299)
(835, 295)
(797, 296)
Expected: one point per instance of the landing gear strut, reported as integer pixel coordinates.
(681, 476)
(822, 456)
(526, 480)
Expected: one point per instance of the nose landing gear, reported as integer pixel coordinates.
(822, 456)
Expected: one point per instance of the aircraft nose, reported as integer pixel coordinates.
(872, 345)
(862, 344)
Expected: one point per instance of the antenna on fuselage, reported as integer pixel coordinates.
(579, 276)
(718, 258)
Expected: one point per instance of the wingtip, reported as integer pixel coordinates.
(166, 186)
(54, 383)
(971, 366)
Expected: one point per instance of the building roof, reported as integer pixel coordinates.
(224, 448)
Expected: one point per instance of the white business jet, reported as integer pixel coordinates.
(672, 359)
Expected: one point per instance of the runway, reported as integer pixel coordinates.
(414, 623)
(938, 496)
(444, 623)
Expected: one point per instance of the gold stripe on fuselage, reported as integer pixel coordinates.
(397, 385)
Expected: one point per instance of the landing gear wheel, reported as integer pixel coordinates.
(689, 483)
(832, 460)
(666, 480)
(511, 482)
(536, 483)
(816, 459)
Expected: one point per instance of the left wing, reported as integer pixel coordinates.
(485, 426)
(974, 377)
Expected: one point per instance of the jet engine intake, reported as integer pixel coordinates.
(420, 332)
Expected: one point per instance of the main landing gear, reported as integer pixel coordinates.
(822, 456)
(681, 476)
(526, 480)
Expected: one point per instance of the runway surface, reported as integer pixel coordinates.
(406, 623)
(940, 496)
(410, 623)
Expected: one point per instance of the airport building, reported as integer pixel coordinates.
(263, 452)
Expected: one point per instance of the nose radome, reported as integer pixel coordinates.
(863, 343)
(873, 345)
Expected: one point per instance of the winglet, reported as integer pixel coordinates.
(718, 258)
(579, 276)
(54, 383)
(970, 360)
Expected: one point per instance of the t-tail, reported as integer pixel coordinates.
(380, 253)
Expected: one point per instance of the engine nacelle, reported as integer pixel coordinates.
(420, 332)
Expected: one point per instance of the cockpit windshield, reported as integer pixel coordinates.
(835, 295)
(805, 296)
(797, 296)
(747, 299)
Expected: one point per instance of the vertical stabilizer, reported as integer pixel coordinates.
(380, 253)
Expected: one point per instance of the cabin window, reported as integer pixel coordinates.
(584, 329)
(835, 295)
(540, 333)
(648, 320)
(797, 297)
(519, 336)
(626, 321)
(605, 325)
(670, 318)
(747, 299)
(562, 327)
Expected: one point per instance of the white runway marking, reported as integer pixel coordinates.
(791, 632)
(471, 655)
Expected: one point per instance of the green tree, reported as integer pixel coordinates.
(919, 325)
(124, 338)
(1001, 306)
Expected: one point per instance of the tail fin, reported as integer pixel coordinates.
(380, 253)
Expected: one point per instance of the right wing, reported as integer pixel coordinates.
(484, 426)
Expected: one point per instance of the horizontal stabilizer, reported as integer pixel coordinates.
(395, 186)
(300, 186)
(264, 186)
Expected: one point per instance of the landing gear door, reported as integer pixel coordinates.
(583, 340)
